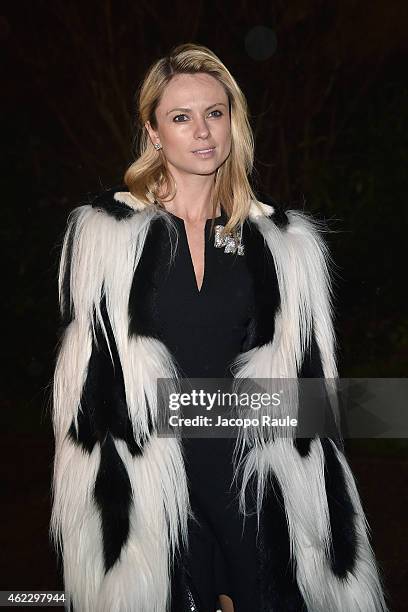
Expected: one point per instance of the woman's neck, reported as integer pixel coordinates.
(192, 201)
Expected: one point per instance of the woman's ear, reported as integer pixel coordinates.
(154, 137)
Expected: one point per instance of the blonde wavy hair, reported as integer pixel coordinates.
(148, 176)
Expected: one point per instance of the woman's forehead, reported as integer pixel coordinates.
(193, 90)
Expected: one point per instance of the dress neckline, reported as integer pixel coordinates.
(182, 227)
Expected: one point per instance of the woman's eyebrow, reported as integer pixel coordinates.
(189, 109)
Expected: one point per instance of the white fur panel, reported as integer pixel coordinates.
(125, 197)
(139, 580)
(269, 365)
(304, 287)
(75, 523)
(69, 376)
(105, 253)
(302, 266)
(364, 591)
(303, 488)
(304, 283)
(143, 361)
(294, 286)
(316, 262)
(259, 209)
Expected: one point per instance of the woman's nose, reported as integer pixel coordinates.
(201, 130)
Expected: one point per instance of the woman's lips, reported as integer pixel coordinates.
(204, 153)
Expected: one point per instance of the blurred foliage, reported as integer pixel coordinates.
(362, 191)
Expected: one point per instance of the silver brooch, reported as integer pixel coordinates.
(231, 243)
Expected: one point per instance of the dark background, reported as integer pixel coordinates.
(328, 96)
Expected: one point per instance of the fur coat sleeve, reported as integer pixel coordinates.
(120, 496)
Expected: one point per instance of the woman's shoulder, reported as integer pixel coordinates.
(117, 202)
(271, 208)
(100, 216)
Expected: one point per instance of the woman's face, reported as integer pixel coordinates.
(193, 115)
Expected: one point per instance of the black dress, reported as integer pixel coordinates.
(204, 331)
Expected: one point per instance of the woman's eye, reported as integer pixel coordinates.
(176, 118)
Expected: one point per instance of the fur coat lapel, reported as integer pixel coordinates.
(120, 497)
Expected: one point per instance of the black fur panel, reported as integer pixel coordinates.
(118, 210)
(261, 327)
(277, 574)
(342, 515)
(312, 362)
(103, 402)
(113, 496)
(279, 216)
(302, 446)
(311, 368)
(143, 315)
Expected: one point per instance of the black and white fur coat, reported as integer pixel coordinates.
(120, 497)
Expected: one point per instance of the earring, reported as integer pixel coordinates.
(157, 146)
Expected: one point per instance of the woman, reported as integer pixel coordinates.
(150, 523)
